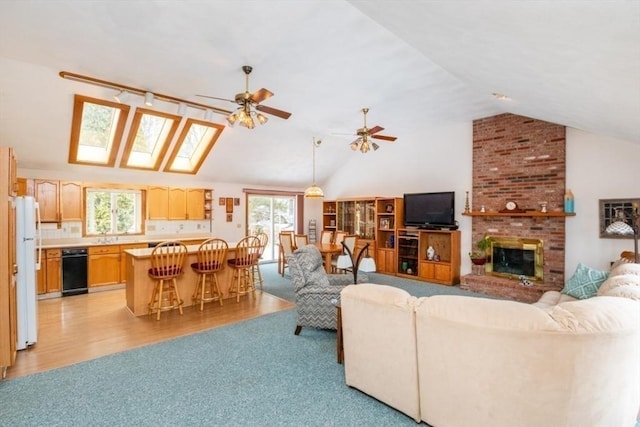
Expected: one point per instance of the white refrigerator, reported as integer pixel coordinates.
(28, 257)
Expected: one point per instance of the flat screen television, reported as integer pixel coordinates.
(430, 210)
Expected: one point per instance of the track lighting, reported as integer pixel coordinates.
(120, 96)
(182, 109)
(148, 99)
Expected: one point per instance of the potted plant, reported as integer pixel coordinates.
(479, 256)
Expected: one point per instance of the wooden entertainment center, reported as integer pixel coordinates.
(398, 250)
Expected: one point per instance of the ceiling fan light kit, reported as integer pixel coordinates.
(364, 142)
(249, 105)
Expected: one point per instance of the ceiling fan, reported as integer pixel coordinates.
(365, 135)
(249, 103)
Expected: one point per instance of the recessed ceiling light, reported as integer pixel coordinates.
(500, 96)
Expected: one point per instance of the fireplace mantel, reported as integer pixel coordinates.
(531, 214)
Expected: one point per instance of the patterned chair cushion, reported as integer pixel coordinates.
(305, 267)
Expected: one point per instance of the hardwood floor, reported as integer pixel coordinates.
(84, 327)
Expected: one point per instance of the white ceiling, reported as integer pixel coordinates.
(412, 62)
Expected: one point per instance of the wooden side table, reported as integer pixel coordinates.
(339, 346)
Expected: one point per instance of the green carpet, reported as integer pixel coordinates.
(252, 373)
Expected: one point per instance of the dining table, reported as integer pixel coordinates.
(328, 250)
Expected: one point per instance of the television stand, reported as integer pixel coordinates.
(413, 262)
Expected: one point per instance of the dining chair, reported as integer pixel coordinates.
(350, 242)
(300, 240)
(247, 253)
(167, 264)
(286, 248)
(326, 236)
(339, 237)
(210, 259)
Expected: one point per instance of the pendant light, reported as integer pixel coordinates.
(314, 192)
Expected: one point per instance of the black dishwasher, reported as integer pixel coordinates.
(74, 271)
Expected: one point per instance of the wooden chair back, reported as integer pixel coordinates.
(286, 243)
(247, 252)
(167, 260)
(263, 238)
(340, 235)
(212, 255)
(326, 236)
(301, 240)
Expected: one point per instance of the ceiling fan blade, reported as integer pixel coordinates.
(215, 97)
(375, 129)
(384, 137)
(273, 111)
(260, 95)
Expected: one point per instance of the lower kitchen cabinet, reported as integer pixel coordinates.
(52, 265)
(104, 265)
(123, 258)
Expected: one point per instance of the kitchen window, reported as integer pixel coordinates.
(113, 212)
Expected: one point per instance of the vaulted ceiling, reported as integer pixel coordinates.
(412, 62)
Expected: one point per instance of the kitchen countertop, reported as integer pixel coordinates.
(94, 241)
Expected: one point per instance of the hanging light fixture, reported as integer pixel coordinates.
(314, 192)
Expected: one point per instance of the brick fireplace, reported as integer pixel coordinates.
(520, 159)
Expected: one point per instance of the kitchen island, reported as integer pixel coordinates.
(139, 285)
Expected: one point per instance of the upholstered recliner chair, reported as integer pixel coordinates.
(317, 293)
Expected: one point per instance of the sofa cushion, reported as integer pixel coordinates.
(626, 268)
(625, 285)
(585, 282)
(552, 298)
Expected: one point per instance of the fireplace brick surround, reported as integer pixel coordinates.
(522, 159)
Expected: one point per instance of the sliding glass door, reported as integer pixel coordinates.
(271, 214)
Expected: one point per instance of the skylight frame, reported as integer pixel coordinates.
(192, 164)
(108, 159)
(161, 147)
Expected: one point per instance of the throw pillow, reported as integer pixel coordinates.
(585, 282)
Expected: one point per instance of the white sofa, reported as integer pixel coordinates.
(465, 361)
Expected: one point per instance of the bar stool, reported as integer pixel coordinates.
(167, 264)
(247, 255)
(211, 258)
(263, 238)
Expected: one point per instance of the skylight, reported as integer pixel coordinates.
(149, 138)
(193, 146)
(96, 131)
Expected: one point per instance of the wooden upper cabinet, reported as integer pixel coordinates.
(58, 200)
(71, 201)
(177, 203)
(25, 187)
(195, 203)
(46, 193)
(157, 203)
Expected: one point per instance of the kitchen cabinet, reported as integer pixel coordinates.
(8, 307)
(59, 200)
(123, 258)
(25, 187)
(52, 270)
(177, 203)
(103, 266)
(157, 203)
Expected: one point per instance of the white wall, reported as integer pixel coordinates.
(598, 167)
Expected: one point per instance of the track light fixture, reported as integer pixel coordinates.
(125, 90)
(148, 99)
(120, 96)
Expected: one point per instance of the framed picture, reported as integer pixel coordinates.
(229, 205)
(384, 223)
(229, 217)
(617, 216)
(221, 201)
(236, 201)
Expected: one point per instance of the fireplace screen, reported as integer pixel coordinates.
(514, 257)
